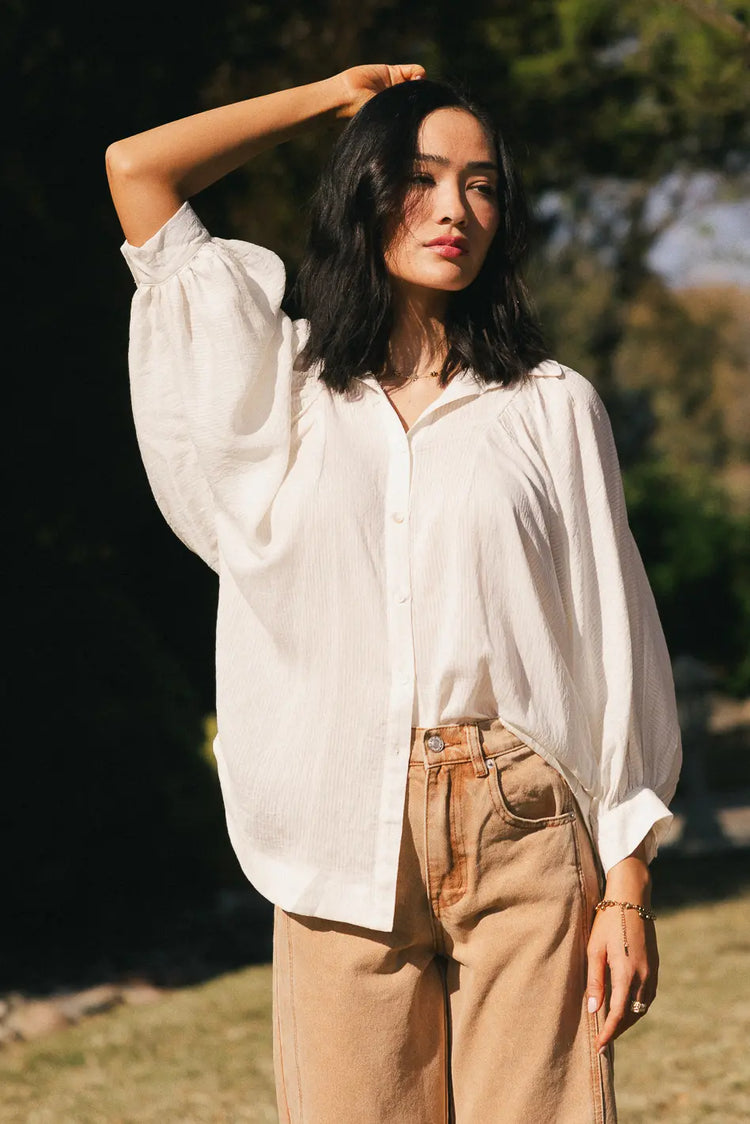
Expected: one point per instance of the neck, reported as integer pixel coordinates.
(417, 343)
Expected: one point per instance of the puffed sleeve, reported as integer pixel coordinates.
(211, 358)
(621, 664)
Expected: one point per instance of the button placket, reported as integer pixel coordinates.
(398, 577)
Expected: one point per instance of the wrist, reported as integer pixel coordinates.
(629, 880)
(338, 94)
(315, 102)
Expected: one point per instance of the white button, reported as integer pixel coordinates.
(402, 597)
(398, 516)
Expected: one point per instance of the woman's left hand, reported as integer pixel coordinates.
(633, 976)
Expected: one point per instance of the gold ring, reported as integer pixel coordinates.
(637, 1007)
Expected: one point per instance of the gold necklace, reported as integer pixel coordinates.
(412, 378)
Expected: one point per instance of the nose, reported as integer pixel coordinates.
(450, 205)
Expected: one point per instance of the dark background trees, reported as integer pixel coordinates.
(111, 806)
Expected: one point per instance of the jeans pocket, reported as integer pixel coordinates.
(527, 791)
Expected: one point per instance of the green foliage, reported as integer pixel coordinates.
(697, 555)
(602, 86)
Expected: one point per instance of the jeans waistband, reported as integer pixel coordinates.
(457, 742)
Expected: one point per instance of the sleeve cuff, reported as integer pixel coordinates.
(640, 816)
(168, 250)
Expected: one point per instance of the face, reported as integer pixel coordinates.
(452, 196)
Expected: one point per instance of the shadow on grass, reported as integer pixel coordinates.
(169, 943)
(681, 879)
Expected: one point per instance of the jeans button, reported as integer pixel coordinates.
(435, 743)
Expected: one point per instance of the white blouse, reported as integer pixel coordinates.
(371, 580)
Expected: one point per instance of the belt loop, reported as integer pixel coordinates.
(424, 734)
(478, 760)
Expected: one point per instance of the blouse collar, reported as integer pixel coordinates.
(467, 382)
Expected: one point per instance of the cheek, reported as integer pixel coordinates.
(399, 251)
(489, 229)
(489, 220)
(394, 255)
(394, 238)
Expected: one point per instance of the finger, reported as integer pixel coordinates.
(619, 1016)
(635, 982)
(408, 72)
(651, 974)
(644, 964)
(639, 993)
(597, 964)
(643, 991)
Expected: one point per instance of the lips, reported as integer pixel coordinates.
(449, 247)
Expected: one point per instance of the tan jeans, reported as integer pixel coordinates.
(473, 1009)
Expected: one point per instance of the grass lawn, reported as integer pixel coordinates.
(203, 1054)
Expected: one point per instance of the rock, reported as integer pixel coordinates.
(138, 994)
(8, 1034)
(77, 1005)
(35, 1019)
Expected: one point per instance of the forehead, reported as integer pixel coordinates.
(456, 134)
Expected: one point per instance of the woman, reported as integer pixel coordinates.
(447, 728)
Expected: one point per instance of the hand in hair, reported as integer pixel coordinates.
(361, 83)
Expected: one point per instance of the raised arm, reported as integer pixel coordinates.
(152, 173)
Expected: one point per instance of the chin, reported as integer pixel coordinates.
(453, 286)
(448, 284)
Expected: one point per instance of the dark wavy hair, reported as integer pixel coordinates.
(343, 288)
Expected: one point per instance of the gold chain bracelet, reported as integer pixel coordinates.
(641, 910)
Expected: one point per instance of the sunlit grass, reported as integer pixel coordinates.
(688, 1061)
(200, 1054)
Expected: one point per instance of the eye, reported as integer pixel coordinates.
(485, 189)
(421, 177)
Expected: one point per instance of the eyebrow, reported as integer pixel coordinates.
(475, 165)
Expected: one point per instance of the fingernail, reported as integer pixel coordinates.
(592, 1004)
